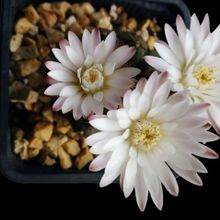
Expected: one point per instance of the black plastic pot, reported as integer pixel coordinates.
(27, 172)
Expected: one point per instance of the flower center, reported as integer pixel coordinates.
(205, 76)
(145, 133)
(91, 79)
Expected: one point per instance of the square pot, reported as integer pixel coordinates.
(29, 171)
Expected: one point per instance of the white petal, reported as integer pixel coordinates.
(110, 43)
(86, 105)
(76, 44)
(52, 65)
(99, 54)
(130, 177)
(98, 96)
(74, 56)
(157, 63)
(60, 75)
(181, 28)
(105, 124)
(134, 97)
(95, 39)
(87, 44)
(126, 72)
(174, 42)
(120, 56)
(167, 54)
(99, 162)
(55, 89)
(97, 107)
(188, 175)
(69, 90)
(62, 57)
(68, 104)
(166, 176)
(97, 148)
(118, 158)
(161, 95)
(58, 104)
(99, 136)
(141, 191)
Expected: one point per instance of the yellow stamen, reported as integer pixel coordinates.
(205, 76)
(145, 133)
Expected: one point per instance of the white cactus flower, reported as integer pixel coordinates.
(151, 135)
(192, 59)
(90, 75)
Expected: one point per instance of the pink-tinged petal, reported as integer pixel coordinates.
(188, 175)
(134, 98)
(99, 54)
(197, 164)
(189, 46)
(51, 81)
(58, 104)
(179, 97)
(126, 98)
(109, 105)
(52, 65)
(118, 158)
(174, 42)
(110, 43)
(195, 25)
(181, 29)
(208, 153)
(106, 180)
(98, 96)
(76, 44)
(109, 69)
(130, 177)
(96, 38)
(120, 56)
(122, 175)
(68, 104)
(141, 191)
(140, 85)
(127, 72)
(120, 83)
(112, 96)
(99, 136)
(63, 43)
(61, 76)
(167, 54)
(198, 108)
(214, 116)
(165, 175)
(74, 57)
(97, 107)
(99, 162)
(163, 77)
(62, 58)
(55, 89)
(161, 95)
(86, 105)
(86, 43)
(205, 27)
(98, 147)
(151, 85)
(105, 124)
(189, 122)
(157, 63)
(69, 90)
(154, 186)
(77, 113)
